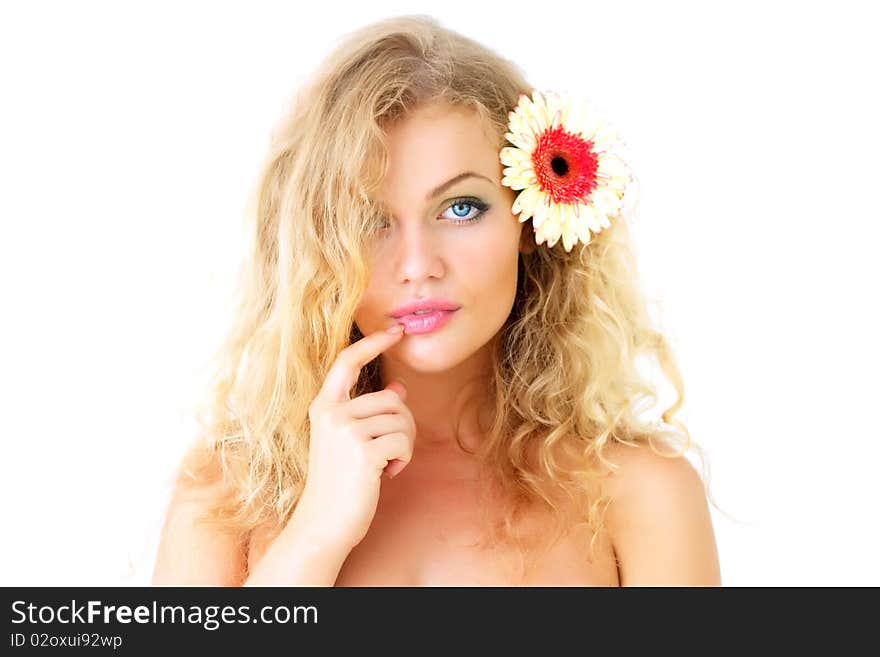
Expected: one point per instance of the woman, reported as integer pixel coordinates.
(491, 439)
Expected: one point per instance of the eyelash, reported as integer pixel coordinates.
(474, 203)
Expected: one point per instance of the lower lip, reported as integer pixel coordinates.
(415, 324)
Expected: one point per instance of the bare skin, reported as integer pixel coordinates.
(658, 532)
(425, 533)
(429, 518)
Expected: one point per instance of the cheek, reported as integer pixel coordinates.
(489, 269)
(371, 303)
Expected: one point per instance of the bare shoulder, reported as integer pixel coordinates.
(191, 552)
(658, 520)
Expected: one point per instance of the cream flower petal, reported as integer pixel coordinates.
(605, 137)
(569, 232)
(607, 199)
(586, 120)
(539, 210)
(618, 184)
(536, 113)
(550, 221)
(516, 130)
(525, 203)
(612, 166)
(516, 179)
(574, 119)
(518, 124)
(515, 157)
(582, 225)
(554, 214)
(615, 174)
(540, 108)
(540, 237)
(630, 197)
(526, 109)
(517, 208)
(523, 140)
(590, 219)
(553, 233)
(566, 112)
(514, 117)
(553, 105)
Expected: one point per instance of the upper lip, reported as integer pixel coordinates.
(423, 304)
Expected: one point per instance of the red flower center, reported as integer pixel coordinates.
(565, 165)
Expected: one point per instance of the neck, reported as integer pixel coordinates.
(445, 403)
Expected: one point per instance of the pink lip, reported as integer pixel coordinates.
(424, 304)
(426, 323)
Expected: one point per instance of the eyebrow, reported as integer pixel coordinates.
(449, 183)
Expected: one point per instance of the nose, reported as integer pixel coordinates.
(418, 253)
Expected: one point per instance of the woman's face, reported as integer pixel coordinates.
(458, 242)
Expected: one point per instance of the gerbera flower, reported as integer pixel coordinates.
(564, 161)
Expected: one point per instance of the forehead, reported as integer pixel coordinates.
(434, 143)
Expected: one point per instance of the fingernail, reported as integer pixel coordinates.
(394, 329)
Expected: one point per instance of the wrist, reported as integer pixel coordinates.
(317, 535)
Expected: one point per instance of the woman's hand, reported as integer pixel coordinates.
(352, 441)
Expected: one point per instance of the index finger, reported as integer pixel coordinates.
(343, 375)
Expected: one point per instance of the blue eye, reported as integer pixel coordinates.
(461, 207)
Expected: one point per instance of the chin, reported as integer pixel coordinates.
(441, 350)
(427, 353)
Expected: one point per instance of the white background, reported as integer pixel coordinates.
(131, 134)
